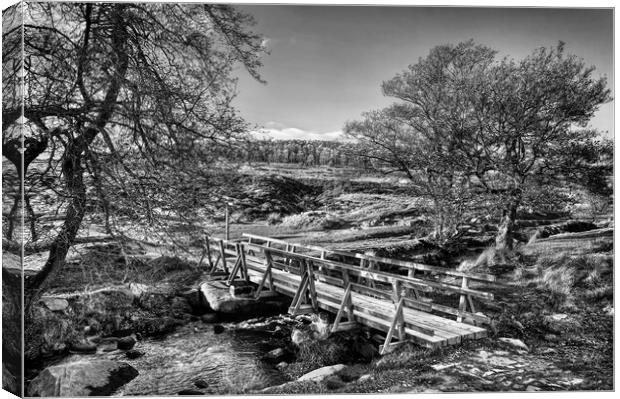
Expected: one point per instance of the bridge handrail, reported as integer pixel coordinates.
(396, 262)
(376, 275)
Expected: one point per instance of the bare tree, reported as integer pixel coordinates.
(129, 101)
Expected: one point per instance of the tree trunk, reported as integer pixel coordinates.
(72, 167)
(505, 231)
(74, 183)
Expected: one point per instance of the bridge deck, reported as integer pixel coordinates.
(307, 280)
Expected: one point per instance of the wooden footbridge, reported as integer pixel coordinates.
(432, 306)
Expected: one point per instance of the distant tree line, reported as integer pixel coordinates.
(300, 152)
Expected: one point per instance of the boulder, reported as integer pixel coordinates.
(83, 347)
(133, 354)
(200, 383)
(333, 382)
(209, 317)
(138, 289)
(275, 354)
(194, 299)
(180, 307)
(55, 304)
(322, 373)
(220, 299)
(241, 291)
(126, 343)
(85, 378)
(517, 343)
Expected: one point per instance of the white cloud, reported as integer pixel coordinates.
(277, 131)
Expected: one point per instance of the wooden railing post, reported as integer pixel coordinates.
(208, 245)
(462, 301)
(223, 256)
(310, 272)
(397, 298)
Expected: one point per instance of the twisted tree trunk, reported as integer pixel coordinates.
(504, 239)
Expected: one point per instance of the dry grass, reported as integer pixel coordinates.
(408, 356)
(313, 220)
(562, 276)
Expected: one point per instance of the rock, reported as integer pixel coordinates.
(200, 383)
(55, 304)
(83, 347)
(241, 291)
(126, 343)
(190, 392)
(517, 343)
(209, 317)
(532, 388)
(134, 354)
(122, 333)
(193, 298)
(138, 289)
(218, 329)
(609, 310)
(275, 354)
(561, 323)
(299, 336)
(282, 365)
(333, 382)
(322, 373)
(92, 328)
(439, 367)
(180, 307)
(84, 378)
(218, 296)
(551, 338)
(278, 332)
(365, 377)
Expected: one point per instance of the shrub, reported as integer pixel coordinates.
(274, 218)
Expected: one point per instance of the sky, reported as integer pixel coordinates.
(326, 63)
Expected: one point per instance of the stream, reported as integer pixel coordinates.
(229, 362)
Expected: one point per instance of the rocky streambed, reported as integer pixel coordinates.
(185, 340)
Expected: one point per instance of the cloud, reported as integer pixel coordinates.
(278, 131)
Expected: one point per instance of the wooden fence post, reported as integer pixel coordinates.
(462, 301)
(208, 245)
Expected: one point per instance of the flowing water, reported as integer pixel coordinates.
(229, 362)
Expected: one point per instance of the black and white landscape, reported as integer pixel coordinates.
(213, 199)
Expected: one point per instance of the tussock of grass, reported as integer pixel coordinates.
(274, 218)
(321, 353)
(560, 275)
(600, 293)
(312, 220)
(408, 356)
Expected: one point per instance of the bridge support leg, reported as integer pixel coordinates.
(306, 289)
(267, 274)
(397, 326)
(208, 247)
(345, 306)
